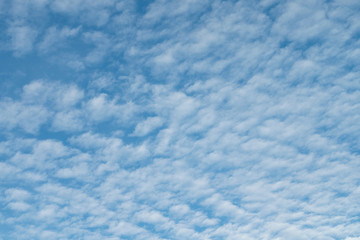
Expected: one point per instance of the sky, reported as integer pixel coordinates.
(192, 119)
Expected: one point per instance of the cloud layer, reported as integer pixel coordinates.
(187, 119)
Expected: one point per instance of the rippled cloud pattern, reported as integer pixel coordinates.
(193, 119)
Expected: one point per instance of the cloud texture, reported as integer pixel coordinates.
(193, 119)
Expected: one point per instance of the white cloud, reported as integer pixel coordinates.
(19, 206)
(80, 170)
(300, 22)
(62, 96)
(96, 13)
(152, 217)
(39, 100)
(68, 121)
(181, 120)
(16, 194)
(7, 170)
(22, 38)
(55, 37)
(147, 126)
(126, 229)
(101, 108)
(27, 117)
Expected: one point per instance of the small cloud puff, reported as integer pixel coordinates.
(147, 126)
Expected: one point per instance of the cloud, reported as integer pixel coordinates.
(61, 96)
(22, 38)
(90, 12)
(147, 126)
(54, 37)
(16, 194)
(309, 24)
(19, 206)
(40, 153)
(76, 171)
(29, 118)
(180, 120)
(39, 100)
(68, 121)
(22, 10)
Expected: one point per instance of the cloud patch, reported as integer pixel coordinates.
(179, 120)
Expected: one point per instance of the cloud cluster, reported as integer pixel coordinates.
(180, 120)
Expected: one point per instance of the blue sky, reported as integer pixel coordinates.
(194, 119)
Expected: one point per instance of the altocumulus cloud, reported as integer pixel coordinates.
(164, 119)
